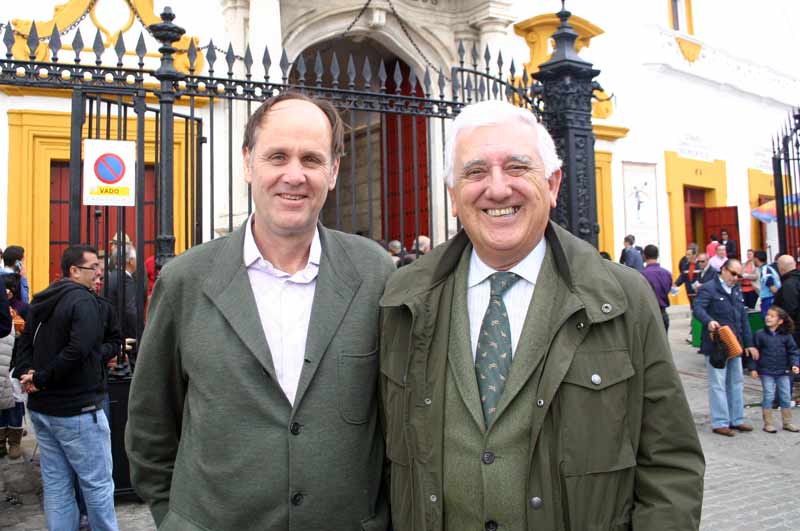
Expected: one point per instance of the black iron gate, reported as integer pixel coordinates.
(786, 176)
(398, 120)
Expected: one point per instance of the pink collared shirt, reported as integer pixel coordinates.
(284, 307)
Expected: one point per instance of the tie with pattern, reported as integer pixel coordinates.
(493, 355)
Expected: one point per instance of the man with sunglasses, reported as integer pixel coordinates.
(720, 303)
(60, 370)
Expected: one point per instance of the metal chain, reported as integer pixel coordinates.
(413, 42)
(63, 32)
(358, 16)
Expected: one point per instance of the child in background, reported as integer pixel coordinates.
(778, 358)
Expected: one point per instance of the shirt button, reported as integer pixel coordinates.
(297, 498)
(540, 403)
(536, 502)
(487, 458)
(491, 525)
(596, 379)
(295, 428)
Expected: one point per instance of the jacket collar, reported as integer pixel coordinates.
(580, 268)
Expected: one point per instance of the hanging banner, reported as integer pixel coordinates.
(109, 176)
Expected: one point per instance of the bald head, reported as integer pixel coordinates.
(786, 263)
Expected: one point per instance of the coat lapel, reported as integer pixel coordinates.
(549, 304)
(337, 284)
(459, 355)
(228, 287)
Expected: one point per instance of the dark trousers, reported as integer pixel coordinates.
(665, 318)
(750, 298)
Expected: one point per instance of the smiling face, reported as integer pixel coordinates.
(500, 193)
(291, 169)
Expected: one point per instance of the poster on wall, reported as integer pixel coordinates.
(641, 204)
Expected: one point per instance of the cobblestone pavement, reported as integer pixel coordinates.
(750, 485)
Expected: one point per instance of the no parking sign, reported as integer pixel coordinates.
(109, 177)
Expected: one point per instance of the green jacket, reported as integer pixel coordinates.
(212, 440)
(612, 442)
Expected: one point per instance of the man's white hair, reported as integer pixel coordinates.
(494, 112)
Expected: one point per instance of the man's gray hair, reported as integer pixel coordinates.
(494, 112)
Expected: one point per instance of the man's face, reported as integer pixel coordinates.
(731, 273)
(702, 260)
(722, 252)
(291, 168)
(500, 193)
(86, 273)
(723, 235)
(689, 254)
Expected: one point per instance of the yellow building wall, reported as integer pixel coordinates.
(605, 216)
(682, 172)
(760, 184)
(38, 138)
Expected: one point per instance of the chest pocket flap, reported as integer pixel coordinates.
(598, 370)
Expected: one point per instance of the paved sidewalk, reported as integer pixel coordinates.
(751, 479)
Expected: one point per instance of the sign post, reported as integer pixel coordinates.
(109, 178)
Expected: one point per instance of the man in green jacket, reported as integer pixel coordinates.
(527, 383)
(254, 400)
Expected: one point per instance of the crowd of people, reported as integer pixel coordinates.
(722, 291)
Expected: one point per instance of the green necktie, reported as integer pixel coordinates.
(493, 355)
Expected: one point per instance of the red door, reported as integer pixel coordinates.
(59, 218)
(718, 218)
(694, 200)
(413, 196)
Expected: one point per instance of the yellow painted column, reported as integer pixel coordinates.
(760, 184)
(605, 215)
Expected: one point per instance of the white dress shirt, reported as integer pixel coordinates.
(284, 307)
(517, 299)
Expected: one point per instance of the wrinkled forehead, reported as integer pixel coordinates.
(502, 139)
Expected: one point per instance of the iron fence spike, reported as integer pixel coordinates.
(398, 77)
(440, 82)
(248, 61)
(351, 70)
(98, 47)
(482, 89)
(366, 72)
(119, 48)
(284, 64)
(487, 57)
(456, 83)
(513, 70)
(525, 77)
(230, 58)
(211, 56)
(412, 80)
(461, 52)
(77, 45)
(55, 42)
(382, 75)
(509, 91)
(500, 63)
(318, 69)
(336, 71)
(495, 89)
(266, 60)
(426, 81)
(33, 41)
(141, 47)
(475, 54)
(8, 39)
(192, 55)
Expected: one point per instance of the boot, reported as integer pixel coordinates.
(768, 426)
(14, 439)
(787, 421)
(3, 443)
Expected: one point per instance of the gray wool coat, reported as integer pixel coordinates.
(213, 441)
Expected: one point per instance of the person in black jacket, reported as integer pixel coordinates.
(5, 316)
(60, 366)
(788, 298)
(124, 299)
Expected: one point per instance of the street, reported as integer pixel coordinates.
(749, 486)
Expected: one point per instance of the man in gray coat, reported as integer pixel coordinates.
(253, 404)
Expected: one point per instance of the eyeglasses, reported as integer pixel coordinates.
(700, 261)
(734, 273)
(94, 268)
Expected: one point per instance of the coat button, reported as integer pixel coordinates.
(606, 308)
(428, 401)
(433, 498)
(297, 498)
(487, 458)
(580, 325)
(536, 502)
(596, 379)
(491, 525)
(540, 403)
(295, 428)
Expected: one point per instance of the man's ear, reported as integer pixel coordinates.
(334, 174)
(454, 207)
(554, 184)
(246, 163)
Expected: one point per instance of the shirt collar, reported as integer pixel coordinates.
(528, 268)
(252, 255)
(728, 289)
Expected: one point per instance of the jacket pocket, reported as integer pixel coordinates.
(594, 405)
(356, 382)
(176, 522)
(394, 398)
